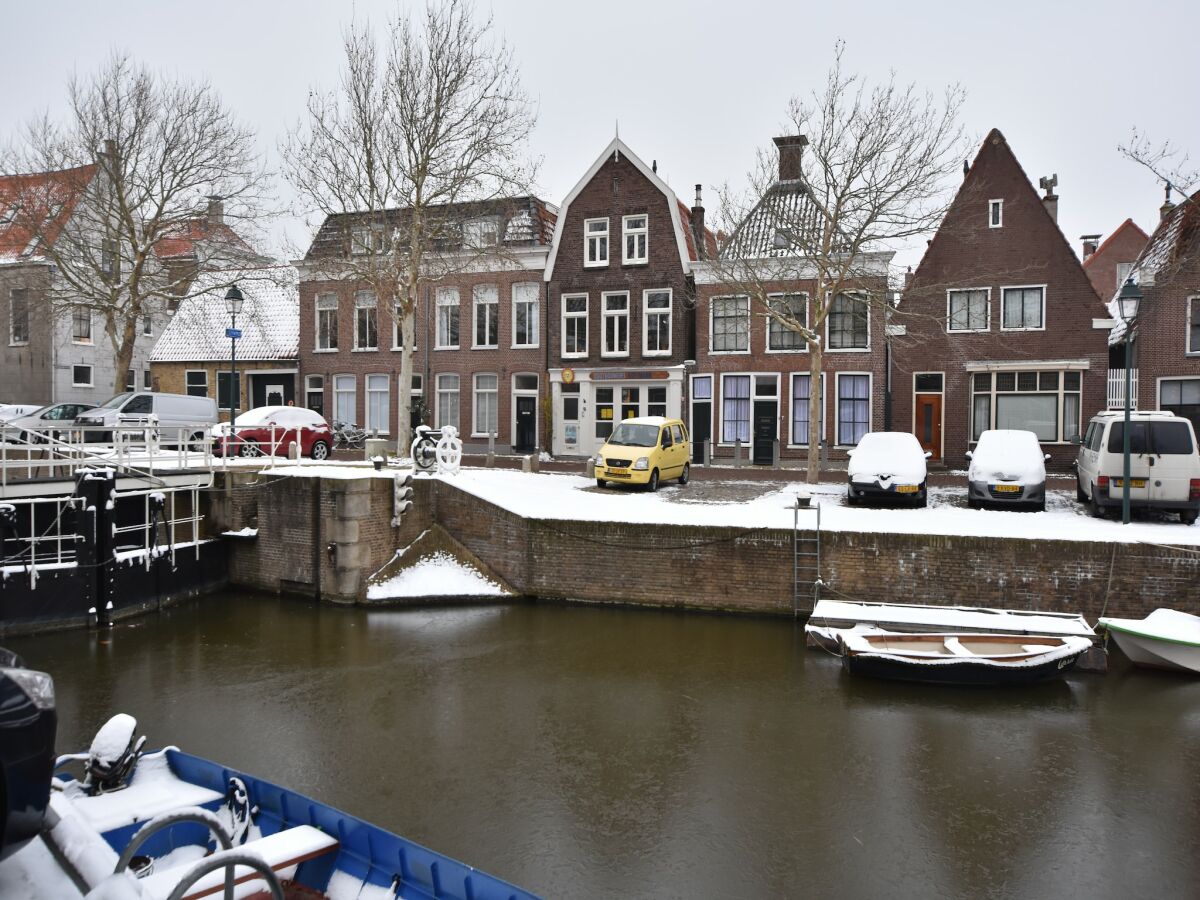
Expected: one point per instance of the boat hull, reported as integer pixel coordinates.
(955, 672)
(1152, 653)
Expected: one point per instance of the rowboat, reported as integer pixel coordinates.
(167, 825)
(1165, 639)
(959, 658)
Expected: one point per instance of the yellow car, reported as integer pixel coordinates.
(645, 450)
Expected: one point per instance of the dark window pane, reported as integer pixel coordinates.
(1137, 437)
(1006, 381)
(1027, 381)
(931, 382)
(1048, 381)
(1071, 381)
(1170, 437)
(983, 382)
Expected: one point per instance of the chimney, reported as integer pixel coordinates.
(698, 226)
(791, 150)
(1090, 243)
(216, 210)
(1048, 183)
(1165, 209)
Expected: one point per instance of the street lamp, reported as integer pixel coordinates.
(233, 303)
(1127, 306)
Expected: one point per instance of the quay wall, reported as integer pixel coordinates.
(695, 567)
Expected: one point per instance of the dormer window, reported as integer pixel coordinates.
(995, 213)
(480, 233)
(366, 239)
(635, 230)
(595, 249)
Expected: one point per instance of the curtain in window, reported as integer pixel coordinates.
(801, 393)
(1030, 412)
(735, 408)
(854, 408)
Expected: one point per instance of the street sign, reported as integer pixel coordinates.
(234, 333)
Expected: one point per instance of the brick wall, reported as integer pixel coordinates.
(1161, 346)
(171, 378)
(28, 368)
(1122, 246)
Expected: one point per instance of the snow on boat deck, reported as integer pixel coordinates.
(913, 617)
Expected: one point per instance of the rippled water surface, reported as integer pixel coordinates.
(584, 752)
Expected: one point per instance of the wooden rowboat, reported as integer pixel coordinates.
(960, 658)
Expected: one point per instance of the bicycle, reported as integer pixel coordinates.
(348, 435)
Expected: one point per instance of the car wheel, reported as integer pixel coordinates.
(653, 483)
(1095, 508)
(686, 474)
(1041, 507)
(973, 503)
(249, 449)
(1187, 516)
(320, 451)
(1080, 496)
(923, 502)
(601, 483)
(851, 500)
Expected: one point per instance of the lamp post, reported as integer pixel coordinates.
(233, 303)
(1127, 306)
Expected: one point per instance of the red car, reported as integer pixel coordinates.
(272, 430)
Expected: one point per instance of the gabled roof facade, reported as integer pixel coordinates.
(29, 200)
(786, 206)
(1119, 249)
(269, 321)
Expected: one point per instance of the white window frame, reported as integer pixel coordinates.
(397, 321)
(987, 310)
(837, 403)
(829, 315)
(313, 384)
(91, 375)
(589, 236)
(437, 398)
(360, 298)
(712, 319)
(605, 315)
(533, 315)
(91, 323)
(1193, 305)
(514, 393)
(719, 402)
(1022, 287)
(186, 386)
(479, 301)
(627, 232)
(791, 414)
(475, 230)
(317, 310)
(578, 354)
(368, 425)
(993, 402)
(996, 213)
(779, 295)
(475, 392)
(941, 408)
(444, 304)
(646, 351)
(334, 412)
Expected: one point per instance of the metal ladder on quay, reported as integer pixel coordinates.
(806, 557)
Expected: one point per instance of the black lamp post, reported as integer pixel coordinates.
(1127, 306)
(233, 303)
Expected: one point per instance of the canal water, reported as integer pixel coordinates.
(593, 753)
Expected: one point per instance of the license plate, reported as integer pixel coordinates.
(906, 489)
(1007, 488)
(1133, 482)
(617, 473)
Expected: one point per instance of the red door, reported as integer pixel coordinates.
(929, 423)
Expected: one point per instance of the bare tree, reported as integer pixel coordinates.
(141, 158)
(867, 171)
(434, 119)
(1168, 163)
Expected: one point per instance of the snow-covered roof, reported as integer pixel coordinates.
(775, 226)
(269, 320)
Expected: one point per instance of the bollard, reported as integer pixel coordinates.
(706, 448)
(737, 454)
(775, 454)
(375, 447)
(535, 462)
(589, 468)
(491, 453)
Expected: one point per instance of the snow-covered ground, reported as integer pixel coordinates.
(764, 504)
(437, 575)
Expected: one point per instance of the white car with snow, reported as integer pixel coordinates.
(1008, 468)
(887, 465)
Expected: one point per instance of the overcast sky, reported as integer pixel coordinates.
(697, 86)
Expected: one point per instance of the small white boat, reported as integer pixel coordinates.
(1165, 639)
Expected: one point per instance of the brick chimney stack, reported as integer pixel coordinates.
(1048, 183)
(791, 152)
(216, 210)
(698, 226)
(1090, 243)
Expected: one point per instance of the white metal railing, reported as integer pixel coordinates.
(1116, 388)
(26, 549)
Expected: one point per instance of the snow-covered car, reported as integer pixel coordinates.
(272, 430)
(887, 465)
(52, 420)
(1007, 467)
(10, 411)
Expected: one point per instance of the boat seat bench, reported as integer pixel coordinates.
(282, 851)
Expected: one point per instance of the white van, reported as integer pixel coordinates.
(1164, 465)
(178, 417)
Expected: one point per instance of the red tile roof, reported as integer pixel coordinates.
(183, 238)
(1107, 242)
(38, 202)
(710, 241)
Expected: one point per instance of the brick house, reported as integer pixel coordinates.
(192, 356)
(1109, 263)
(1001, 321)
(619, 292)
(1166, 333)
(752, 382)
(480, 348)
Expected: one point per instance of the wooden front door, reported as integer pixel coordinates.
(929, 423)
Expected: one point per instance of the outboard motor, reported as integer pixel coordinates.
(114, 753)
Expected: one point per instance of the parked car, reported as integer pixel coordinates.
(179, 417)
(645, 451)
(1164, 466)
(49, 421)
(28, 723)
(1007, 468)
(252, 433)
(887, 465)
(10, 411)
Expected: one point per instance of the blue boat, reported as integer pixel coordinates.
(168, 826)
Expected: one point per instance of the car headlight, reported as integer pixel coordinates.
(642, 464)
(38, 686)
(599, 460)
